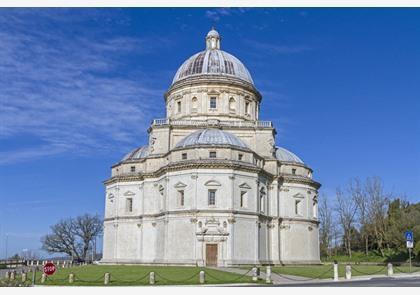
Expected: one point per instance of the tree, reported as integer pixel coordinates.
(360, 197)
(346, 210)
(377, 210)
(326, 227)
(73, 236)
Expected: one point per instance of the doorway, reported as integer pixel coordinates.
(211, 254)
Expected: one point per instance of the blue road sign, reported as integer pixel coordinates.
(409, 237)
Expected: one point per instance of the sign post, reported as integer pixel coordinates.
(409, 238)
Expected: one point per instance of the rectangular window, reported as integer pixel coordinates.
(293, 171)
(129, 205)
(240, 156)
(184, 156)
(212, 197)
(212, 155)
(133, 168)
(213, 102)
(178, 106)
(247, 108)
(181, 198)
(243, 199)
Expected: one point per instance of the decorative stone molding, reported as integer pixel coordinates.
(193, 220)
(285, 226)
(231, 220)
(310, 228)
(212, 183)
(138, 225)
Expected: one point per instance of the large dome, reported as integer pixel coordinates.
(213, 61)
(211, 137)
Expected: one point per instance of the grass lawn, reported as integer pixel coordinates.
(326, 271)
(132, 275)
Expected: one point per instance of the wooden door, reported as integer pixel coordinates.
(211, 254)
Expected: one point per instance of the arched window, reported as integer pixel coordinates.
(262, 199)
(161, 198)
(244, 199)
(194, 104)
(232, 105)
(247, 108)
(315, 207)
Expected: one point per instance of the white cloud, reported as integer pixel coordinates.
(217, 13)
(70, 93)
(277, 48)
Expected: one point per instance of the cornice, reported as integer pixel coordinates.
(212, 80)
(193, 213)
(290, 178)
(191, 164)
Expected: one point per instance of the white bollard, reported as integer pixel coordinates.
(24, 277)
(152, 278)
(12, 275)
(254, 274)
(7, 275)
(335, 272)
(37, 263)
(348, 272)
(71, 278)
(43, 278)
(268, 274)
(202, 277)
(107, 278)
(390, 270)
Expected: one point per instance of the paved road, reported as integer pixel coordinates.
(374, 282)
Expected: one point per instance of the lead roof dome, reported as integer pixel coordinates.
(284, 155)
(137, 153)
(213, 62)
(211, 137)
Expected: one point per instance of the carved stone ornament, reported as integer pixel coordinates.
(231, 220)
(310, 228)
(153, 224)
(193, 220)
(139, 225)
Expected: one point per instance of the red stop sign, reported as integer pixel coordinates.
(49, 268)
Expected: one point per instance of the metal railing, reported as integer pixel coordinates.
(212, 122)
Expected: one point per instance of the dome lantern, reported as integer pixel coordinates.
(212, 40)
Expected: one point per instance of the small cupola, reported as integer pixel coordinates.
(212, 40)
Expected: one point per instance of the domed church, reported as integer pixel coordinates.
(211, 188)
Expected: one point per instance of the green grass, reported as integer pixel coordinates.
(326, 271)
(132, 275)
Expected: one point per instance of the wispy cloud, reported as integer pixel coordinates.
(69, 92)
(277, 48)
(217, 13)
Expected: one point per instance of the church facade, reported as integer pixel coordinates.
(211, 188)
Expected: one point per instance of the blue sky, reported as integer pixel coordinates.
(79, 87)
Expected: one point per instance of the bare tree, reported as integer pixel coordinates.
(346, 210)
(377, 210)
(326, 226)
(73, 236)
(359, 195)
